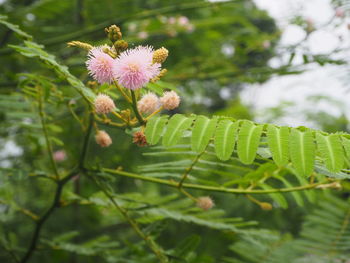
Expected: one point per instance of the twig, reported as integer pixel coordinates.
(46, 133)
(212, 188)
(136, 111)
(148, 240)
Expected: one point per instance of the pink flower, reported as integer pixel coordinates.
(183, 21)
(100, 65)
(59, 156)
(205, 202)
(339, 12)
(134, 68)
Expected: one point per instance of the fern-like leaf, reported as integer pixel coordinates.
(278, 142)
(154, 129)
(225, 138)
(331, 150)
(175, 128)
(302, 151)
(202, 132)
(248, 141)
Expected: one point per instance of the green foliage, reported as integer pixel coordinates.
(300, 141)
(76, 210)
(324, 238)
(225, 137)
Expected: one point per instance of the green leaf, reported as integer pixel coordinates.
(346, 144)
(297, 195)
(14, 28)
(187, 245)
(331, 150)
(32, 49)
(225, 138)
(202, 132)
(248, 141)
(154, 129)
(302, 151)
(277, 139)
(175, 128)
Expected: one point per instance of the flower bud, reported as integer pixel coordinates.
(205, 203)
(113, 32)
(79, 44)
(160, 55)
(265, 206)
(148, 103)
(170, 100)
(103, 104)
(59, 156)
(139, 139)
(120, 45)
(103, 139)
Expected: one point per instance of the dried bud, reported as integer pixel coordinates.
(82, 45)
(120, 45)
(205, 203)
(265, 206)
(148, 103)
(160, 55)
(139, 139)
(170, 100)
(103, 104)
(103, 139)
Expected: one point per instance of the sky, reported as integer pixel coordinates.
(330, 81)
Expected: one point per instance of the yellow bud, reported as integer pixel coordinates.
(160, 55)
(265, 206)
(82, 45)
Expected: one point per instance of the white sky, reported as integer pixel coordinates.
(327, 81)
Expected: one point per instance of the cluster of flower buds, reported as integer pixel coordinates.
(150, 102)
(129, 70)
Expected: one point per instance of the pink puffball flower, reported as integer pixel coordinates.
(59, 156)
(205, 203)
(134, 68)
(170, 100)
(100, 65)
(103, 139)
(148, 103)
(103, 104)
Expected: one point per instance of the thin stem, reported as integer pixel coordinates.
(136, 111)
(119, 116)
(149, 241)
(154, 113)
(109, 122)
(76, 116)
(215, 188)
(86, 142)
(46, 134)
(189, 169)
(126, 96)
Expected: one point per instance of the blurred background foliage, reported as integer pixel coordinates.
(216, 49)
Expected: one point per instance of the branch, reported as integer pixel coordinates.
(216, 188)
(39, 224)
(149, 241)
(46, 133)
(56, 201)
